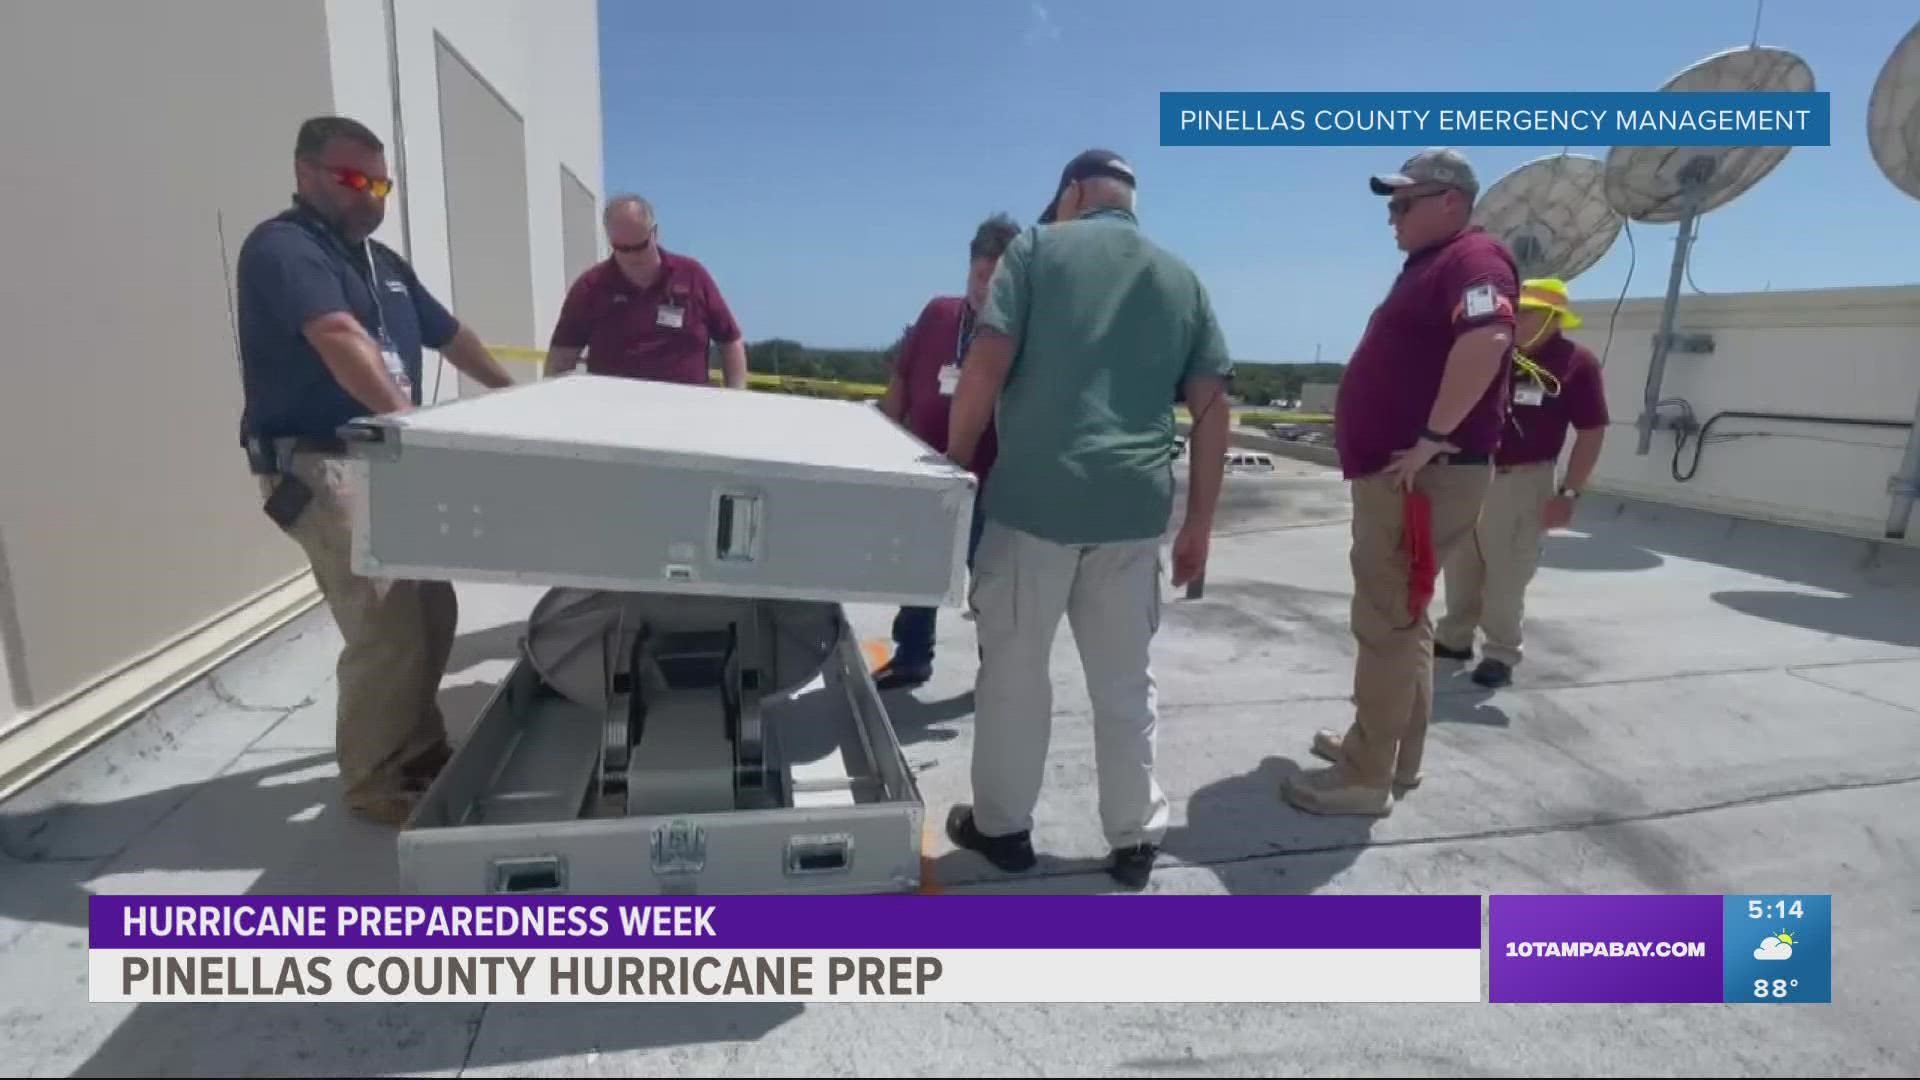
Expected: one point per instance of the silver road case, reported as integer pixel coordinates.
(690, 712)
(612, 483)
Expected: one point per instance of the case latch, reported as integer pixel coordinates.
(737, 527)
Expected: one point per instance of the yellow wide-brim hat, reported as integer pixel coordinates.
(1551, 294)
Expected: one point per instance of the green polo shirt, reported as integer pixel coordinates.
(1106, 325)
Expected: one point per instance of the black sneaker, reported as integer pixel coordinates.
(1132, 866)
(1445, 653)
(902, 677)
(1493, 674)
(1012, 853)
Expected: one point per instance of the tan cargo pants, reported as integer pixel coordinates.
(1393, 672)
(1487, 577)
(1109, 594)
(399, 636)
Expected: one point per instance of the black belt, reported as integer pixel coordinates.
(269, 455)
(1478, 458)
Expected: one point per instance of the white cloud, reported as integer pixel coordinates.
(1773, 949)
(1041, 27)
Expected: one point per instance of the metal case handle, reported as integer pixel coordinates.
(810, 855)
(539, 874)
(737, 525)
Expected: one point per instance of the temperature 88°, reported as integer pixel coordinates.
(1778, 988)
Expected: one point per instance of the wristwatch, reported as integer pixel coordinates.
(1432, 436)
(1566, 492)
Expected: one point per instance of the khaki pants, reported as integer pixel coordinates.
(399, 635)
(1487, 578)
(1110, 595)
(1393, 672)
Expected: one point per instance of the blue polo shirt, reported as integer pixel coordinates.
(294, 268)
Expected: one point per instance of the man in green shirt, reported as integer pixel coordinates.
(1090, 334)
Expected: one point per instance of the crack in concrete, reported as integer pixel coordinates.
(1508, 833)
(233, 701)
(473, 1039)
(1861, 694)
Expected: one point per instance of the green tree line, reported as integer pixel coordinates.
(1253, 383)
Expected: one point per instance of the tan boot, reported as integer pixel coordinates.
(1325, 791)
(391, 810)
(1326, 745)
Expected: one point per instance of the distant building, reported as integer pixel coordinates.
(1317, 397)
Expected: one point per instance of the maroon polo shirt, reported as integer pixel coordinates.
(1391, 381)
(1538, 432)
(631, 331)
(938, 338)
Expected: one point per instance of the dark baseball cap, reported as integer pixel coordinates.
(1441, 165)
(1085, 166)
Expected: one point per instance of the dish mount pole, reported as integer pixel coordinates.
(1905, 484)
(1694, 181)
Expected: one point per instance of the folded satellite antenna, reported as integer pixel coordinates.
(1552, 213)
(1893, 132)
(1658, 184)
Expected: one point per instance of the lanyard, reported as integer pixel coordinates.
(965, 336)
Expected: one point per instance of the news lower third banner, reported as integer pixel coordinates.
(1324, 948)
(1496, 118)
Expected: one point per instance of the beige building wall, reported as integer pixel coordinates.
(133, 552)
(1851, 352)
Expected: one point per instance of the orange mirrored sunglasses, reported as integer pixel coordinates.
(376, 186)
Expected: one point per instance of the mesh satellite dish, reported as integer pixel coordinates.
(1657, 184)
(1552, 213)
(1893, 133)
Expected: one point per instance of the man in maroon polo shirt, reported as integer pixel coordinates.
(920, 397)
(645, 313)
(1556, 385)
(1416, 422)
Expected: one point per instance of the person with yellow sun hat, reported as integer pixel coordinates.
(1556, 384)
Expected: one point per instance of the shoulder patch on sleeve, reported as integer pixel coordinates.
(1479, 300)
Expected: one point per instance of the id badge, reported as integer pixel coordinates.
(670, 317)
(1529, 394)
(949, 379)
(396, 368)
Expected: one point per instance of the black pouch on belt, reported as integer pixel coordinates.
(288, 501)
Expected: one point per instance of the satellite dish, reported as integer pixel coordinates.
(1657, 184)
(1893, 133)
(1552, 213)
(1893, 115)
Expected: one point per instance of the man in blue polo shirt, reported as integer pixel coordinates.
(331, 326)
(1090, 334)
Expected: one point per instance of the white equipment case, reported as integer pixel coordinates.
(690, 711)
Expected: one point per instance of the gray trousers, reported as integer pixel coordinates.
(1110, 594)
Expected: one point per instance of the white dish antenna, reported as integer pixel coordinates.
(1893, 133)
(1658, 184)
(1552, 213)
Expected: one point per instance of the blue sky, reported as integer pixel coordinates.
(828, 160)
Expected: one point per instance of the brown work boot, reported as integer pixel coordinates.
(391, 810)
(424, 768)
(1326, 744)
(1325, 791)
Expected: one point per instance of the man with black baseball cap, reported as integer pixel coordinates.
(1416, 422)
(1089, 335)
(1086, 166)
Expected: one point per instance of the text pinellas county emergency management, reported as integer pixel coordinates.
(637, 920)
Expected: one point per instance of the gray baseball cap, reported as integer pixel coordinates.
(1440, 165)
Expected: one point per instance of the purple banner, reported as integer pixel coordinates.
(1604, 948)
(783, 922)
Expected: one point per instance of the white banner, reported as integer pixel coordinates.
(965, 975)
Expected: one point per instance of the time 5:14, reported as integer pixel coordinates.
(1779, 909)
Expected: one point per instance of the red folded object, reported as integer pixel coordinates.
(1422, 569)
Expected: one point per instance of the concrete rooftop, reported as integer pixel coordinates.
(1706, 706)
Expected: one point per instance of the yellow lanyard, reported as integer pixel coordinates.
(1541, 375)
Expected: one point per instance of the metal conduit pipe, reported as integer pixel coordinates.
(1905, 483)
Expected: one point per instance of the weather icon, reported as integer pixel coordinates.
(1777, 947)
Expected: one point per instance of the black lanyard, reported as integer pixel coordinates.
(965, 336)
